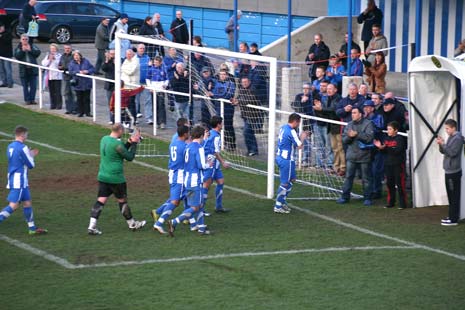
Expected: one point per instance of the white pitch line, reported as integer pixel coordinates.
(244, 254)
(50, 257)
(312, 213)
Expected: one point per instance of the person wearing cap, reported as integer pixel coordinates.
(377, 164)
(358, 136)
(205, 86)
(229, 29)
(6, 50)
(102, 39)
(254, 49)
(393, 111)
(121, 25)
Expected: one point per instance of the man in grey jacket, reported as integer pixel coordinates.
(452, 165)
(102, 39)
(358, 136)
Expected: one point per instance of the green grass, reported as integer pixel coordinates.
(64, 187)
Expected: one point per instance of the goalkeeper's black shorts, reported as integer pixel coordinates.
(107, 189)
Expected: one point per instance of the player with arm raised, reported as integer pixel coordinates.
(288, 141)
(212, 150)
(20, 160)
(111, 178)
(194, 166)
(175, 177)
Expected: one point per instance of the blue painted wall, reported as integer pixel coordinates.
(261, 28)
(341, 7)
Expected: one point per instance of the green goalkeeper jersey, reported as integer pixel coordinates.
(112, 154)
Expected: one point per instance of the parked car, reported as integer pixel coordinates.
(62, 21)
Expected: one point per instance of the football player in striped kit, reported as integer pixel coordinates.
(20, 160)
(288, 141)
(175, 177)
(194, 166)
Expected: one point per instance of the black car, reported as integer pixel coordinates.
(62, 21)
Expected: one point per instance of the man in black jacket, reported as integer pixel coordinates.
(358, 136)
(28, 13)
(178, 29)
(6, 50)
(317, 56)
(28, 52)
(66, 58)
(371, 16)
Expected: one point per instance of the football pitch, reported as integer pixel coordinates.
(321, 256)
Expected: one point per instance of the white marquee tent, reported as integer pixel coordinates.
(436, 93)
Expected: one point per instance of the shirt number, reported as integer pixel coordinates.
(11, 150)
(173, 152)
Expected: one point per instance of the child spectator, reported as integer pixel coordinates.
(335, 71)
(452, 150)
(394, 165)
(126, 116)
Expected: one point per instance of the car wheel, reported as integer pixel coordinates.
(134, 30)
(62, 34)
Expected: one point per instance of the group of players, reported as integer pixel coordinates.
(195, 161)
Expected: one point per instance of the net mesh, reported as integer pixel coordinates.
(238, 90)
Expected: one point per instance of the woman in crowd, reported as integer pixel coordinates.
(51, 60)
(377, 74)
(81, 85)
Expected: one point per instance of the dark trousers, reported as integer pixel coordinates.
(453, 187)
(54, 88)
(132, 107)
(229, 132)
(206, 116)
(161, 110)
(83, 102)
(367, 180)
(100, 59)
(249, 137)
(395, 179)
(29, 83)
(68, 93)
(377, 172)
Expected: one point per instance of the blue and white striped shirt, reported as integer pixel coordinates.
(176, 162)
(213, 145)
(194, 164)
(287, 142)
(19, 161)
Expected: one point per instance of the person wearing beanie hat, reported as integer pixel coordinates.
(358, 136)
(254, 49)
(121, 25)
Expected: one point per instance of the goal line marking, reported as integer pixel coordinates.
(303, 210)
(66, 264)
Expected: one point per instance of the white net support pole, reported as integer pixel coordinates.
(118, 54)
(41, 89)
(94, 100)
(272, 127)
(300, 153)
(154, 107)
(222, 116)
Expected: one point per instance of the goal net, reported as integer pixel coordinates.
(250, 92)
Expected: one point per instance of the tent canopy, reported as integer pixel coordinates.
(436, 93)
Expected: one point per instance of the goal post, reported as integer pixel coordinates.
(271, 63)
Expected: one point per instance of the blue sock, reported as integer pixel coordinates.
(185, 215)
(281, 195)
(29, 217)
(289, 188)
(162, 207)
(204, 195)
(5, 213)
(167, 211)
(201, 220)
(219, 196)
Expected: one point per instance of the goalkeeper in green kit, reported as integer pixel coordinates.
(111, 178)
